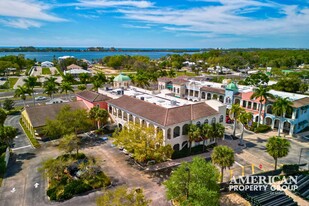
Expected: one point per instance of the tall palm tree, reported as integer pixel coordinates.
(96, 85)
(66, 87)
(263, 94)
(194, 133)
(21, 92)
(141, 80)
(277, 148)
(235, 111)
(84, 77)
(217, 131)
(50, 86)
(171, 73)
(206, 131)
(68, 78)
(100, 77)
(224, 157)
(30, 83)
(98, 115)
(244, 119)
(280, 107)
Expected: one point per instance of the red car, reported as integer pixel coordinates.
(228, 120)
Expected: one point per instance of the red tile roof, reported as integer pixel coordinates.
(213, 90)
(92, 96)
(161, 115)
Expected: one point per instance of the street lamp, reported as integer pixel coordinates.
(188, 182)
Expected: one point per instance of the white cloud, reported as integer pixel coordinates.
(20, 23)
(131, 26)
(113, 3)
(226, 18)
(29, 9)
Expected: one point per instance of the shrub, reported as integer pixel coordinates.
(261, 129)
(290, 169)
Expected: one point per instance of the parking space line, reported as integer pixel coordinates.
(21, 147)
(238, 164)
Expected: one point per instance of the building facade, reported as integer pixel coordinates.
(172, 121)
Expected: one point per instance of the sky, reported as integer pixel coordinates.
(155, 23)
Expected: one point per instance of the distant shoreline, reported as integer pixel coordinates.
(93, 49)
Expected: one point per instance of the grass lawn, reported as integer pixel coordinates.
(12, 82)
(191, 74)
(34, 141)
(46, 71)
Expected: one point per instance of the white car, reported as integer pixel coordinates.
(40, 98)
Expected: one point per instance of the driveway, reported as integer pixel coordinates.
(21, 142)
(117, 165)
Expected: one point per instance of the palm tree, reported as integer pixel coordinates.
(277, 148)
(100, 77)
(206, 131)
(68, 78)
(194, 133)
(66, 87)
(50, 86)
(217, 130)
(98, 115)
(141, 80)
(21, 92)
(30, 83)
(244, 119)
(235, 111)
(96, 85)
(280, 107)
(84, 77)
(171, 73)
(263, 94)
(224, 157)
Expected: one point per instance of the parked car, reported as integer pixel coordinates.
(2, 78)
(40, 98)
(228, 120)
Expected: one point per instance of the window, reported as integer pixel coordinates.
(213, 120)
(221, 119)
(198, 123)
(176, 131)
(185, 129)
(206, 121)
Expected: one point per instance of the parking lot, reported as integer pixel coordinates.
(122, 170)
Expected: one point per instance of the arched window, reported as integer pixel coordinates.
(213, 120)
(221, 118)
(203, 95)
(184, 144)
(185, 129)
(198, 123)
(177, 90)
(206, 121)
(176, 131)
(169, 133)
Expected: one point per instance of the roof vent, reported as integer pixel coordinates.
(142, 98)
(173, 102)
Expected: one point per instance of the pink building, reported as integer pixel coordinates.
(252, 105)
(92, 99)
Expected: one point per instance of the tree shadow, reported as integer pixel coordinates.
(25, 156)
(13, 168)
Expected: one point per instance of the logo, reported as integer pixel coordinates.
(262, 183)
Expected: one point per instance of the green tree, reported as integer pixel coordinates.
(8, 104)
(244, 119)
(277, 148)
(81, 87)
(30, 83)
(217, 131)
(84, 77)
(7, 134)
(100, 77)
(261, 93)
(68, 78)
(21, 92)
(171, 73)
(141, 80)
(193, 134)
(3, 116)
(223, 156)
(122, 196)
(50, 86)
(280, 107)
(66, 122)
(69, 143)
(99, 115)
(194, 183)
(145, 143)
(235, 112)
(257, 79)
(66, 87)
(96, 85)
(206, 132)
